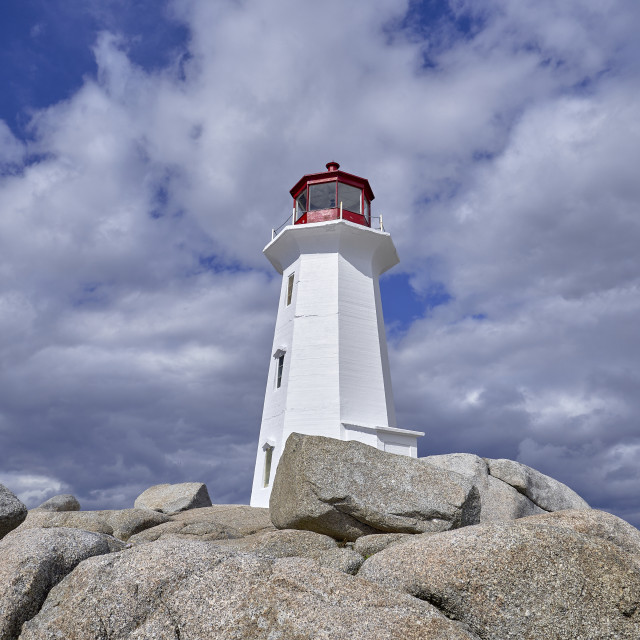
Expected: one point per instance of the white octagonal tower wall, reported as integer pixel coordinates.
(335, 380)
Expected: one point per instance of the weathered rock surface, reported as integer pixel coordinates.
(191, 589)
(225, 571)
(63, 502)
(348, 489)
(174, 498)
(466, 464)
(340, 559)
(294, 543)
(499, 501)
(288, 543)
(120, 523)
(218, 522)
(593, 522)
(240, 517)
(519, 580)
(33, 561)
(546, 492)
(368, 545)
(12, 511)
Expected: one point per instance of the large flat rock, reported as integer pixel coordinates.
(348, 489)
(191, 589)
(32, 561)
(499, 501)
(525, 580)
(545, 492)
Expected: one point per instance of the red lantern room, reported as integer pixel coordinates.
(332, 195)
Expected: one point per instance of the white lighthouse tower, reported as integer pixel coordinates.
(329, 372)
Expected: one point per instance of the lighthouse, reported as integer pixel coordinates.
(329, 366)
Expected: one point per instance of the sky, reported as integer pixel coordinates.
(148, 148)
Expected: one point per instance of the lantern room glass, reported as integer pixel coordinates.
(322, 196)
(349, 197)
(301, 204)
(330, 199)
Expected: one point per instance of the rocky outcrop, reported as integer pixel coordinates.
(521, 579)
(348, 489)
(191, 589)
(174, 498)
(384, 547)
(120, 523)
(33, 561)
(12, 511)
(63, 502)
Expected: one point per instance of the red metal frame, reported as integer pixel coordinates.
(333, 174)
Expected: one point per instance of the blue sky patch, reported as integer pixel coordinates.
(47, 47)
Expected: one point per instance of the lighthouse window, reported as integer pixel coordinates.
(279, 369)
(322, 196)
(289, 289)
(301, 204)
(268, 456)
(367, 211)
(349, 197)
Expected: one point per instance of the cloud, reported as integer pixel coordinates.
(33, 489)
(12, 150)
(501, 140)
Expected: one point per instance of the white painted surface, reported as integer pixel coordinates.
(336, 377)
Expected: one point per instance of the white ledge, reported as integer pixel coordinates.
(404, 432)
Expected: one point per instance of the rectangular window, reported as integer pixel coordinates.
(367, 211)
(280, 367)
(349, 197)
(268, 456)
(322, 196)
(289, 289)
